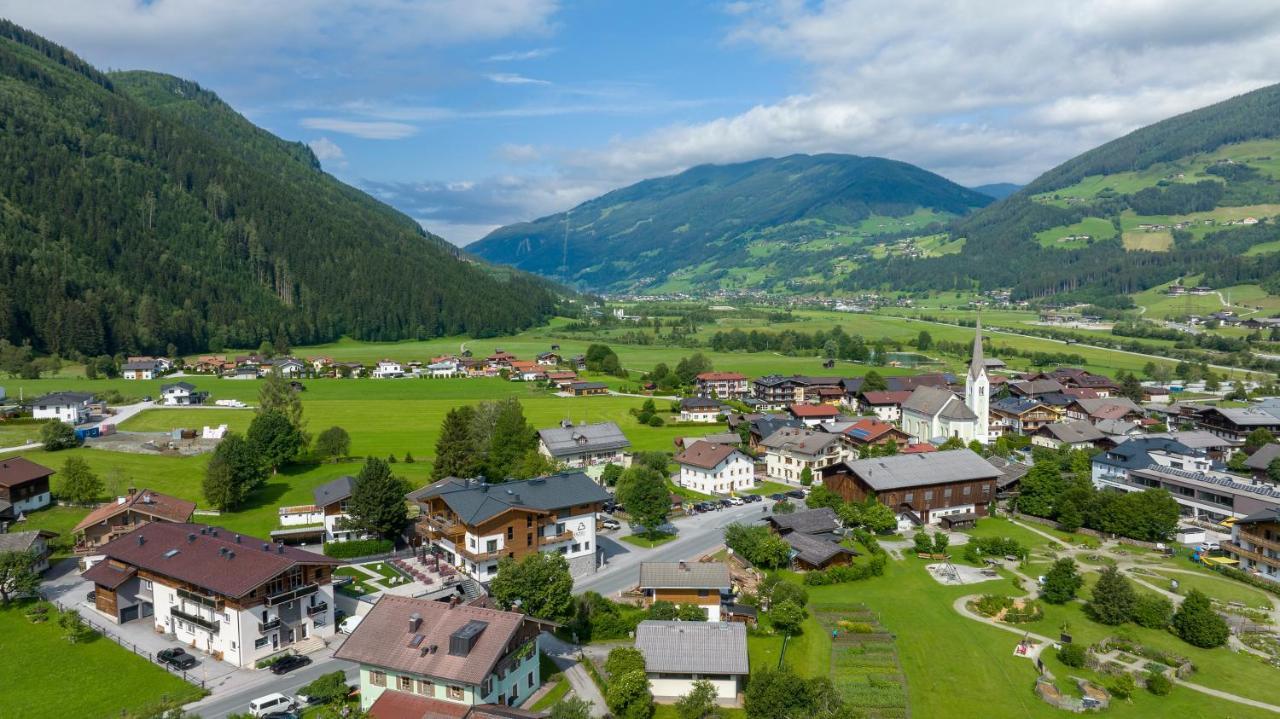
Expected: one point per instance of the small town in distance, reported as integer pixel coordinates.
(562, 360)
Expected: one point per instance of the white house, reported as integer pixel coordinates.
(699, 409)
(447, 367)
(235, 597)
(715, 469)
(69, 407)
(584, 445)
(141, 369)
(286, 367)
(676, 654)
(387, 369)
(791, 450)
(181, 394)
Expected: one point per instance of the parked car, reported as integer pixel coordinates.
(147, 398)
(724, 502)
(778, 497)
(91, 597)
(795, 494)
(752, 498)
(281, 715)
(288, 663)
(737, 501)
(271, 703)
(176, 657)
(610, 524)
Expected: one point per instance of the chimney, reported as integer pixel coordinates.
(237, 539)
(191, 537)
(141, 540)
(683, 567)
(415, 621)
(266, 547)
(230, 555)
(132, 491)
(146, 498)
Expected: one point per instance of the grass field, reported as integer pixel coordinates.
(48, 678)
(1216, 586)
(1155, 241)
(1096, 228)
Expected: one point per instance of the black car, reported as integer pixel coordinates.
(796, 494)
(176, 657)
(288, 663)
(724, 502)
(750, 498)
(281, 715)
(778, 497)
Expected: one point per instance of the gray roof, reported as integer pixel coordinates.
(63, 398)
(809, 521)
(931, 401)
(141, 364)
(684, 575)
(1037, 386)
(1010, 471)
(335, 490)
(564, 441)
(475, 500)
(698, 403)
(916, 470)
(1118, 427)
(1263, 457)
(693, 647)
(21, 541)
(180, 385)
(716, 438)
(815, 550)
(796, 439)
(1198, 439)
(1135, 452)
(765, 426)
(1073, 432)
(1246, 416)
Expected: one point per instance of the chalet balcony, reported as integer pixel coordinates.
(1236, 549)
(319, 608)
(292, 594)
(439, 527)
(199, 621)
(1258, 540)
(556, 539)
(271, 626)
(204, 600)
(475, 556)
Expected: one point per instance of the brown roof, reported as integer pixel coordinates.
(383, 638)
(108, 575)
(885, 397)
(160, 506)
(705, 454)
(208, 557)
(814, 410)
(20, 470)
(721, 376)
(392, 704)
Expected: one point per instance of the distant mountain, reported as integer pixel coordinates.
(142, 214)
(770, 223)
(997, 190)
(1194, 195)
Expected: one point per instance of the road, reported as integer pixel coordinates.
(261, 683)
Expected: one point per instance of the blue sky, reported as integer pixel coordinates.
(472, 114)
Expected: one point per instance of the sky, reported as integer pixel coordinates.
(472, 114)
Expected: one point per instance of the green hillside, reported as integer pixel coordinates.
(1193, 194)
(797, 221)
(140, 212)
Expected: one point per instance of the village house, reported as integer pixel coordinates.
(722, 385)
(1096, 410)
(238, 598)
(585, 445)
(24, 487)
(323, 521)
(777, 391)
(473, 524)
(676, 654)
(587, 389)
(1076, 434)
(1235, 423)
(1255, 543)
(286, 367)
(422, 658)
(443, 368)
(730, 438)
(715, 469)
(181, 394)
(868, 432)
(388, 369)
(1021, 415)
(921, 488)
(1259, 463)
(141, 369)
(34, 542)
(1075, 377)
(761, 426)
(886, 405)
(790, 451)
(70, 407)
(320, 366)
(1035, 389)
(813, 415)
(212, 364)
(699, 409)
(548, 359)
(702, 584)
(562, 378)
(136, 509)
(811, 534)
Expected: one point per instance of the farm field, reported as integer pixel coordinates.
(1096, 228)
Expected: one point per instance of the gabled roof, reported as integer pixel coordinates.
(475, 500)
(721, 377)
(564, 441)
(1108, 407)
(140, 364)
(796, 439)
(909, 382)
(1016, 406)
(768, 424)
(1263, 457)
(20, 470)
(1074, 432)
(588, 385)
(23, 541)
(815, 551)
(886, 397)
(936, 401)
(335, 490)
(1135, 453)
(163, 506)
(698, 403)
(57, 399)
(810, 521)
(717, 648)
(685, 575)
(208, 557)
(868, 430)
(177, 385)
(813, 410)
(384, 639)
(707, 455)
(919, 469)
(1244, 416)
(1036, 386)
(1010, 471)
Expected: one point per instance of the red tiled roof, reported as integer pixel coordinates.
(383, 637)
(721, 376)
(20, 470)
(180, 551)
(392, 704)
(919, 448)
(155, 504)
(1081, 392)
(705, 454)
(871, 429)
(814, 410)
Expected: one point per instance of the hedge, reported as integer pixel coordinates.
(848, 573)
(358, 548)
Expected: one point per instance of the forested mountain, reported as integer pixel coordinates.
(998, 190)
(138, 212)
(751, 224)
(1187, 196)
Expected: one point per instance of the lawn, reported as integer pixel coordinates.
(55, 519)
(646, 541)
(1216, 586)
(46, 677)
(767, 488)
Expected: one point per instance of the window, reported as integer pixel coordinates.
(378, 679)
(455, 693)
(575, 547)
(928, 495)
(529, 681)
(406, 684)
(909, 497)
(491, 545)
(426, 688)
(967, 490)
(146, 584)
(559, 527)
(586, 546)
(260, 643)
(528, 522)
(511, 533)
(946, 493)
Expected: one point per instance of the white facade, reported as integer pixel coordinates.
(924, 427)
(977, 390)
(786, 465)
(482, 552)
(671, 685)
(32, 503)
(70, 412)
(885, 412)
(174, 396)
(736, 473)
(444, 369)
(700, 414)
(387, 368)
(139, 373)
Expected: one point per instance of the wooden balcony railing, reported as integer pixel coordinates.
(1260, 541)
(1233, 548)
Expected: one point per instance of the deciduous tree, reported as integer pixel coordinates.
(79, 485)
(540, 584)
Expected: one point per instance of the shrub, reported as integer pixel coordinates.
(1152, 611)
(847, 573)
(1073, 655)
(1159, 684)
(1197, 624)
(622, 660)
(1061, 582)
(992, 604)
(1124, 686)
(358, 548)
(923, 543)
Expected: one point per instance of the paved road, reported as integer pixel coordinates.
(261, 683)
(697, 535)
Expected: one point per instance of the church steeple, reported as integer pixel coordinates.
(977, 365)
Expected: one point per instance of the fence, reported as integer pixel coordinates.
(118, 639)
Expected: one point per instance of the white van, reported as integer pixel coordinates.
(271, 703)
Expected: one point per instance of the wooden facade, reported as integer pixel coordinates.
(523, 529)
(921, 499)
(23, 491)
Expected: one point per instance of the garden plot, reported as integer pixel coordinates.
(864, 663)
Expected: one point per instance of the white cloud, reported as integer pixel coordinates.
(327, 150)
(517, 153)
(520, 56)
(511, 78)
(360, 128)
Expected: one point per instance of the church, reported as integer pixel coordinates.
(936, 414)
